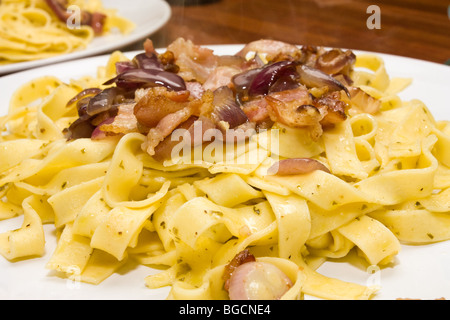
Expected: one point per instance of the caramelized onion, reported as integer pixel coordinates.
(335, 61)
(312, 77)
(146, 61)
(80, 128)
(243, 80)
(226, 108)
(296, 166)
(286, 82)
(86, 93)
(274, 77)
(94, 105)
(123, 66)
(103, 101)
(135, 78)
(269, 75)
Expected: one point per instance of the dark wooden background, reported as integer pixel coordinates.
(412, 28)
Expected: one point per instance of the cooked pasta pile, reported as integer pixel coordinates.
(110, 201)
(30, 30)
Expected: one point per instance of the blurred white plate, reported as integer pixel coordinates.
(148, 15)
(420, 272)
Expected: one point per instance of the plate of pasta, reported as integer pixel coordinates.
(41, 32)
(258, 171)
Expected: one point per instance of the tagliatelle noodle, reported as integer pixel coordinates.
(111, 202)
(28, 240)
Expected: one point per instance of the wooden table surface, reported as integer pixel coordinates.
(412, 28)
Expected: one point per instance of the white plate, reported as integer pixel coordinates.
(148, 15)
(419, 271)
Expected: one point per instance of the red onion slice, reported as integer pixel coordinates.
(123, 66)
(89, 92)
(146, 61)
(226, 108)
(286, 82)
(103, 101)
(134, 78)
(80, 128)
(274, 77)
(269, 75)
(98, 133)
(296, 166)
(242, 81)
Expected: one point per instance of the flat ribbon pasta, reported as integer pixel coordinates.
(110, 202)
(28, 240)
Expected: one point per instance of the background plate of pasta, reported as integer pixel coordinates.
(338, 188)
(40, 32)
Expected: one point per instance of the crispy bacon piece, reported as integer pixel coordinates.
(256, 110)
(297, 108)
(124, 122)
(164, 149)
(195, 88)
(149, 48)
(157, 103)
(294, 108)
(221, 76)
(272, 106)
(195, 62)
(292, 113)
(271, 48)
(168, 123)
(306, 87)
(242, 257)
(165, 127)
(295, 116)
(332, 108)
(332, 62)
